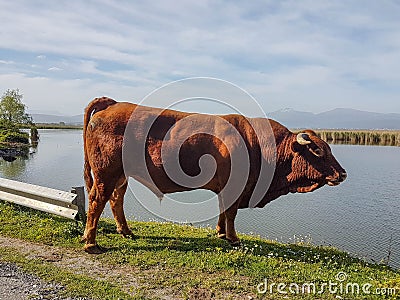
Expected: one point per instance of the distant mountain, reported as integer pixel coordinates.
(44, 118)
(339, 118)
(291, 118)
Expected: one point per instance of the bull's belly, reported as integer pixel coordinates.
(160, 183)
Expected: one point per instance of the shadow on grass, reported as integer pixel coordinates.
(209, 242)
(156, 237)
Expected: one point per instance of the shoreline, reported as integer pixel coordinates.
(360, 137)
(167, 260)
(369, 137)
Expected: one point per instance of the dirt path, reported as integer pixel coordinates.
(15, 284)
(76, 261)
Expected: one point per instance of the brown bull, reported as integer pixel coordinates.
(302, 162)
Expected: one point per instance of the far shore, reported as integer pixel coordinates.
(360, 137)
(382, 137)
(58, 126)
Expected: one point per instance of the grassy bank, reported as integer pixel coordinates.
(13, 142)
(176, 261)
(361, 137)
(57, 126)
(10, 134)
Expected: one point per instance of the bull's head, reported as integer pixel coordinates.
(313, 164)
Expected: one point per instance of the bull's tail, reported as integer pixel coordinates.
(98, 104)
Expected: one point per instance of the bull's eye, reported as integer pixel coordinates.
(317, 152)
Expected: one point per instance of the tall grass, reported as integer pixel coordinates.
(361, 137)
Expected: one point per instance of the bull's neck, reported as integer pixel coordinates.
(284, 152)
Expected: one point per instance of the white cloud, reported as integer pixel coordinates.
(287, 52)
(54, 69)
(6, 62)
(68, 96)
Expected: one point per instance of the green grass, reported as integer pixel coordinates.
(76, 285)
(12, 135)
(177, 259)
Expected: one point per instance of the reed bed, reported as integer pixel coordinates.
(361, 137)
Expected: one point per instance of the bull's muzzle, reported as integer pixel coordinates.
(335, 181)
(343, 176)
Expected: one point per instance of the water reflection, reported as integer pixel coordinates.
(359, 216)
(363, 143)
(13, 169)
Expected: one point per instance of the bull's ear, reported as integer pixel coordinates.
(317, 151)
(303, 140)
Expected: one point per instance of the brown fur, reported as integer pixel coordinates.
(297, 167)
(96, 105)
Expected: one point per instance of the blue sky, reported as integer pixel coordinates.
(307, 55)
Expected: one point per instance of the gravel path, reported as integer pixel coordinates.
(17, 285)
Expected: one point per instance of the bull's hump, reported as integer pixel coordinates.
(113, 119)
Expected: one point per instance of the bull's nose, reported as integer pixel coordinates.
(343, 176)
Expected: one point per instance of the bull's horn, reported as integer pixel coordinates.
(303, 138)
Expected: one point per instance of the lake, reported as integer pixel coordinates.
(360, 216)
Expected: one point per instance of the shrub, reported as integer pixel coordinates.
(13, 135)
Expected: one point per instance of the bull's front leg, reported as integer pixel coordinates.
(230, 215)
(226, 222)
(221, 228)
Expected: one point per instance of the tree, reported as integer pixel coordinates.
(12, 116)
(12, 110)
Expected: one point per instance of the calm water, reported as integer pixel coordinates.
(360, 216)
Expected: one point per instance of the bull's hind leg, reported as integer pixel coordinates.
(117, 207)
(98, 197)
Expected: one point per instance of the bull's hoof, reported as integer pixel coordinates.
(83, 239)
(94, 249)
(236, 243)
(126, 234)
(221, 236)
